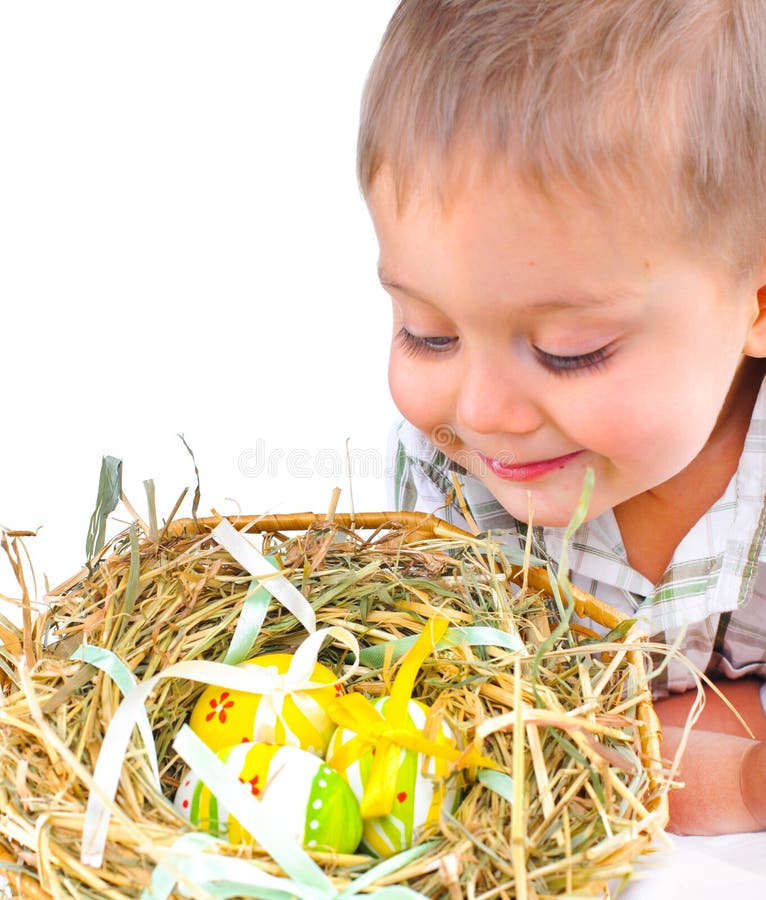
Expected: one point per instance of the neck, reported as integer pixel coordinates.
(654, 523)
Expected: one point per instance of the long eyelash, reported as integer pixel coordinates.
(413, 345)
(571, 365)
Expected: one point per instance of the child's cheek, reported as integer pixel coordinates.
(420, 396)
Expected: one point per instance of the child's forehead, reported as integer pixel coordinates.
(496, 235)
(644, 204)
(495, 245)
(475, 185)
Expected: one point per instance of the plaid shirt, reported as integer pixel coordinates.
(713, 595)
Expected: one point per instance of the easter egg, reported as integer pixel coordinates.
(311, 803)
(299, 718)
(422, 789)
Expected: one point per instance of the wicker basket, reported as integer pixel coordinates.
(38, 834)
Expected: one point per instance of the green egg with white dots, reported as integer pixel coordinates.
(305, 798)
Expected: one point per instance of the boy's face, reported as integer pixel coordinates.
(534, 339)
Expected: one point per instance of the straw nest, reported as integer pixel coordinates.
(568, 720)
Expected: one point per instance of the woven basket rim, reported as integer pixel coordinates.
(417, 525)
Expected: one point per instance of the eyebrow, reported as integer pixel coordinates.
(612, 298)
(402, 288)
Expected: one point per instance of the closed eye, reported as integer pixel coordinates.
(415, 345)
(570, 365)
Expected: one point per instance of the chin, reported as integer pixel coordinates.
(551, 521)
(557, 515)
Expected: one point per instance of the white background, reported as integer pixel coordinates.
(184, 249)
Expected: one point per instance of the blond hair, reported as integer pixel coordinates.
(664, 98)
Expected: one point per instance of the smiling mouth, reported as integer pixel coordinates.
(530, 470)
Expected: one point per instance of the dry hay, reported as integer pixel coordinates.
(568, 720)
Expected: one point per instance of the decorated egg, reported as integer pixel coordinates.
(290, 714)
(309, 800)
(422, 788)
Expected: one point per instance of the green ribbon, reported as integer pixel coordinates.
(218, 876)
(475, 636)
(121, 675)
(249, 623)
(498, 782)
(262, 569)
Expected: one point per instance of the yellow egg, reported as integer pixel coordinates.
(311, 803)
(298, 718)
(422, 789)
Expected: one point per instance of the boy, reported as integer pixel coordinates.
(570, 202)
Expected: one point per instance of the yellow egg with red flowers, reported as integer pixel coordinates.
(292, 714)
(306, 799)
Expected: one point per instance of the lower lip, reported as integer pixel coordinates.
(529, 471)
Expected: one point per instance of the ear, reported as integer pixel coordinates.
(755, 344)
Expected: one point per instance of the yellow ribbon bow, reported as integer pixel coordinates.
(388, 733)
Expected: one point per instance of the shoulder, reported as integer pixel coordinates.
(405, 439)
(410, 448)
(418, 474)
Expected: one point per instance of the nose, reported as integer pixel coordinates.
(493, 400)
